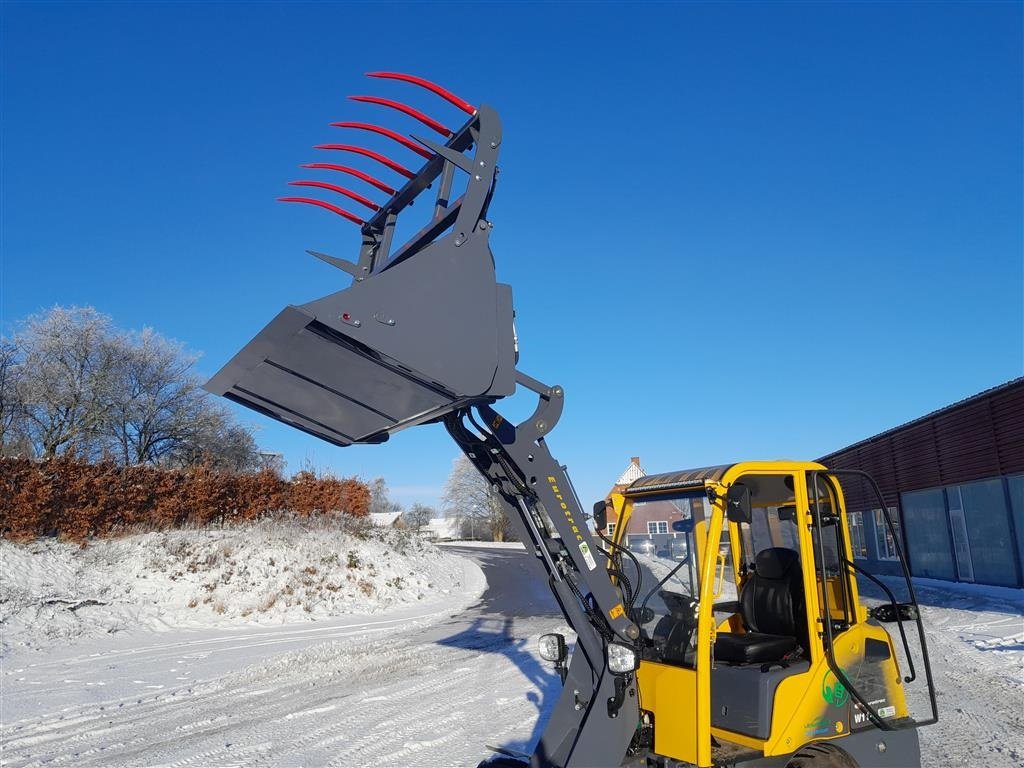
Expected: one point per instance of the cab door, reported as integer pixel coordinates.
(862, 654)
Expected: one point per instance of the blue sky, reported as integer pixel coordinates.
(733, 231)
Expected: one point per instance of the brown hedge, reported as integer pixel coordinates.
(75, 500)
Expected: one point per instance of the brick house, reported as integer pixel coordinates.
(653, 520)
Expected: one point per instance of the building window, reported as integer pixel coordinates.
(657, 526)
(611, 529)
(884, 542)
(858, 542)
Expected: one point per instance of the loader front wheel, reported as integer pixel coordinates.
(501, 761)
(821, 756)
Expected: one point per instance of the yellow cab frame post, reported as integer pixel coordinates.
(688, 737)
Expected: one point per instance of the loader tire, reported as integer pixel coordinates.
(820, 756)
(501, 761)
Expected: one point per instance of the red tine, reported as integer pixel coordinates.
(390, 134)
(353, 172)
(340, 190)
(427, 121)
(332, 208)
(398, 168)
(448, 96)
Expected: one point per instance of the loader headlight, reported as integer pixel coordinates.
(552, 647)
(621, 659)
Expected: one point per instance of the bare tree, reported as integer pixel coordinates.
(469, 499)
(65, 381)
(380, 499)
(12, 440)
(418, 516)
(216, 440)
(69, 380)
(162, 404)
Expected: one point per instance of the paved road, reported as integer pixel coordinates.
(516, 583)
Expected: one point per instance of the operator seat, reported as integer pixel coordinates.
(772, 607)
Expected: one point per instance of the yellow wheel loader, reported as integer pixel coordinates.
(751, 647)
(755, 647)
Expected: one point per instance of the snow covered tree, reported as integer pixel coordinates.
(13, 441)
(418, 516)
(64, 376)
(469, 499)
(163, 405)
(72, 383)
(380, 498)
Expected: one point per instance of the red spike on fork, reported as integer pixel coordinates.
(330, 207)
(406, 109)
(408, 143)
(340, 190)
(353, 172)
(397, 167)
(447, 95)
(405, 141)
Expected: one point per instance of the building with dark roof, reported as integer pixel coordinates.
(954, 481)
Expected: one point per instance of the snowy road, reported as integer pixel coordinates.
(397, 691)
(418, 690)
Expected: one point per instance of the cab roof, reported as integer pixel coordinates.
(685, 479)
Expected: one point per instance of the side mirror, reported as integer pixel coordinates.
(683, 526)
(738, 503)
(787, 512)
(600, 515)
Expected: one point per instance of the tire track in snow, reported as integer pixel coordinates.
(378, 702)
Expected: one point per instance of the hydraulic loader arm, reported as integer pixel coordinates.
(425, 334)
(597, 714)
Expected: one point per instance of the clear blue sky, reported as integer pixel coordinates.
(774, 229)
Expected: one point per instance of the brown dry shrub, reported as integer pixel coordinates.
(75, 500)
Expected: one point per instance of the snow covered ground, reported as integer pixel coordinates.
(975, 637)
(261, 574)
(416, 685)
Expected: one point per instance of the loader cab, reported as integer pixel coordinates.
(740, 644)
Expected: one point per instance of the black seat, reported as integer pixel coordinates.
(772, 608)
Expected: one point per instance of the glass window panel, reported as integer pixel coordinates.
(931, 551)
(988, 529)
(768, 530)
(958, 528)
(885, 545)
(858, 541)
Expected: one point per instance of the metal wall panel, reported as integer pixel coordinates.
(930, 548)
(977, 439)
(974, 439)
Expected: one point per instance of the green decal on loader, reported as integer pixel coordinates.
(833, 691)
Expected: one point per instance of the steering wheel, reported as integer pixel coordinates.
(680, 607)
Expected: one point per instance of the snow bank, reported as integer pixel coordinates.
(483, 544)
(264, 573)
